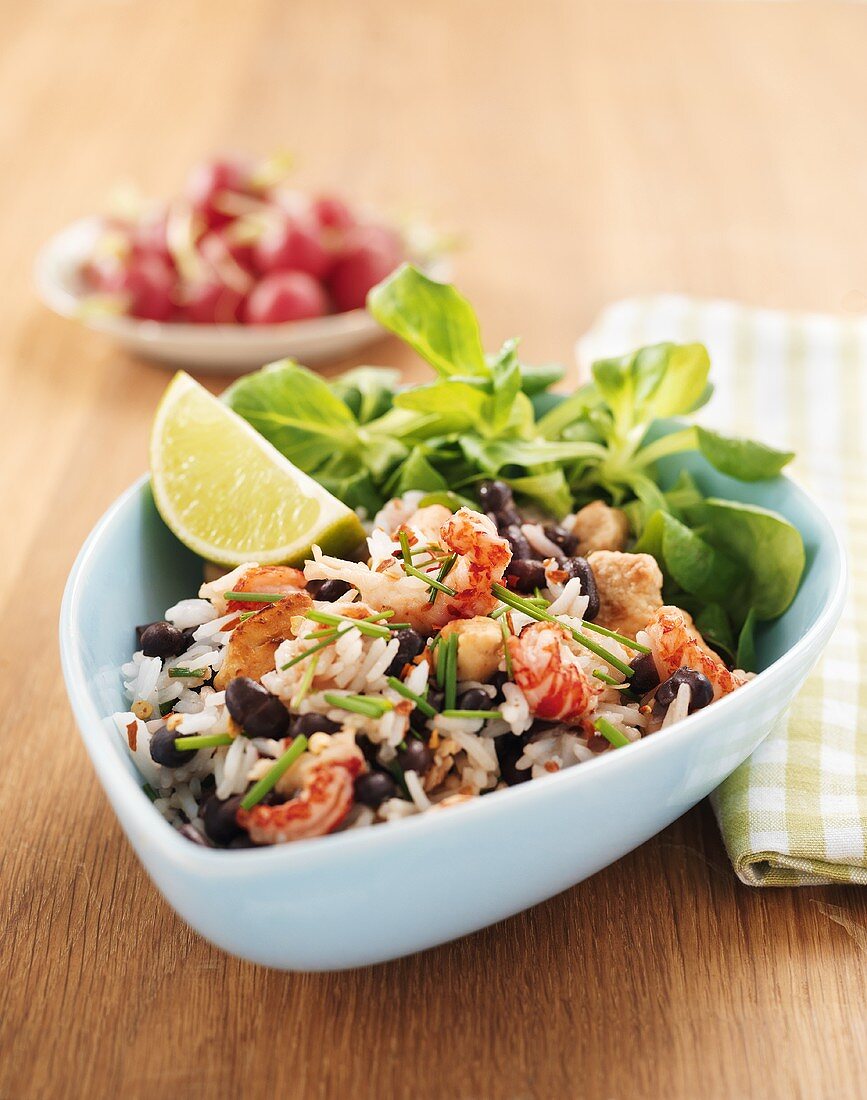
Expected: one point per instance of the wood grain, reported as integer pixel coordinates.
(586, 151)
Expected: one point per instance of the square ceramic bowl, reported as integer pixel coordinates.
(374, 894)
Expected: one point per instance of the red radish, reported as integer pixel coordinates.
(285, 296)
(370, 252)
(212, 303)
(148, 237)
(146, 284)
(209, 181)
(230, 260)
(332, 213)
(291, 245)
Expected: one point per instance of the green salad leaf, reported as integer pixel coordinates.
(366, 438)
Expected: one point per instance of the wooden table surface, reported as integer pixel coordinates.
(585, 151)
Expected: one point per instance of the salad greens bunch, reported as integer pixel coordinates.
(366, 438)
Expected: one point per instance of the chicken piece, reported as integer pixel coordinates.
(254, 642)
(480, 648)
(630, 589)
(598, 526)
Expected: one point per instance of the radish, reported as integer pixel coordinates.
(146, 285)
(285, 296)
(291, 245)
(212, 303)
(369, 253)
(332, 213)
(209, 181)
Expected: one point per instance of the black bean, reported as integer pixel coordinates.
(525, 574)
(331, 590)
(494, 496)
(581, 568)
(497, 680)
(418, 721)
(567, 542)
(416, 757)
(509, 750)
(255, 709)
(518, 542)
(410, 644)
(475, 699)
(368, 749)
(163, 749)
(139, 630)
(373, 788)
(162, 640)
(220, 820)
(701, 689)
(188, 637)
(644, 676)
(436, 697)
(507, 517)
(312, 723)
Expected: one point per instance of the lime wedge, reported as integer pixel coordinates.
(229, 495)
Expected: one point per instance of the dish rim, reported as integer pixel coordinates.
(203, 860)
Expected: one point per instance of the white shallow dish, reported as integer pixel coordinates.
(374, 894)
(220, 349)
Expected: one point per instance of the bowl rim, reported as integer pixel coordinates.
(213, 861)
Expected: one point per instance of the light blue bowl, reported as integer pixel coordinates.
(375, 894)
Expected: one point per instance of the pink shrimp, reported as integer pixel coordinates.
(550, 674)
(282, 579)
(675, 643)
(319, 807)
(482, 557)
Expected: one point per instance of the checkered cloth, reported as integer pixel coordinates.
(796, 812)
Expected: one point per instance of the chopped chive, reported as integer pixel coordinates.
(482, 715)
(446, 568)
(299, 657)
(399, 626)
(166, 708)
(508, 657)
(359, 704)
(245, 615)
(422, 704)
(206, 741)
(441, 658)
(188, 673)
(541, 616)
(149, 791)
(255, 597)
(629, 642)
(499, 612)
(432, 581)
(397, 772)
(451, 675)
(374, 630)
(306, 681)
(405, 551)
(611, 733)
(260, 789)
(606, 679)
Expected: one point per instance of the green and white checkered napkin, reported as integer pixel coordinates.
(795, 813)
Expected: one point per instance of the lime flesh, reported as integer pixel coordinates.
(229, 495)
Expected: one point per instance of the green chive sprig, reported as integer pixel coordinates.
(534, 612)
(359, 704)
(423, 705)
(611, 733)
(203, 741)
(269, 779)
(188, 673)
(306, 681)
(450, 682)
(629, 642)
(480, 715)
(256, 597)
(446, 568)
(365, 626)
(149, 791)
(510, 672)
